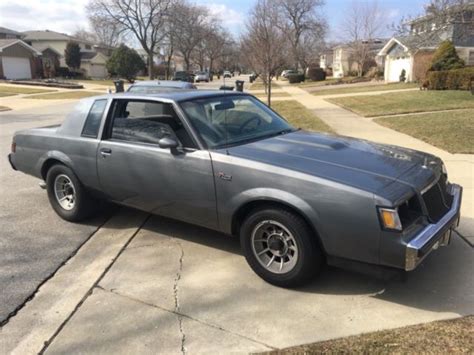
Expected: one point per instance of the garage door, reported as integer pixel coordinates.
(396, 67)
(98, 71)
(16, 68)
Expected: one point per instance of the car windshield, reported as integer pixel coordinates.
(142, 89)
(232, 120)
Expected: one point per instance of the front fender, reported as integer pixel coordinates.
(247, 197)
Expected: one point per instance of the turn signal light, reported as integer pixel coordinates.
(390, 218)
(13, 148)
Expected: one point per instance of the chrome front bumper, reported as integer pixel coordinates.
(434, 235)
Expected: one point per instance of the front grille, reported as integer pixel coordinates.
(437, 200)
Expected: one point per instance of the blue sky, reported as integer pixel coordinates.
(69, 15)
(334, 10)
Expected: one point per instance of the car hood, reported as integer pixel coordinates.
(359, 163)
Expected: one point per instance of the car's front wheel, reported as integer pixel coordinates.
(280, 247)
(67, 195)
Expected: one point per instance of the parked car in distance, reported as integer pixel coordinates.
(202, 76)
(183, 76)
(157, 86)
(226, 161)
(285, 73)
(227, 74)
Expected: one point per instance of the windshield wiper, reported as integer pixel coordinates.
(257, 138)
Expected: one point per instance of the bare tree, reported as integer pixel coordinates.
(215, 45)
(82, 33)
(363, 24)
(145, 19)
(190, 30)
(264, 42)
(303, 26)
(106, 31)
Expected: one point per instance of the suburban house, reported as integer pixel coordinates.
(326, 59)
(52, 46)
(18, 60)
(343, 60)
(413, 52)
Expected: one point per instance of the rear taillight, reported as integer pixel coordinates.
(13, 147)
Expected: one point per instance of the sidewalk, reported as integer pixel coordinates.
(460, 166)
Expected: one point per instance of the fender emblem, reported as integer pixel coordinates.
(224, 176)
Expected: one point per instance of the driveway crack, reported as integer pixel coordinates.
(176, 299)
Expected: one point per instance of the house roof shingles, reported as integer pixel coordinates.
(9, 32)
(4, 43)
(88, 55)
(413, 42)
(48, 35)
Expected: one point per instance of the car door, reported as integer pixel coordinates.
(135, 171)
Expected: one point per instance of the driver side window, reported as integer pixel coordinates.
(143, 121)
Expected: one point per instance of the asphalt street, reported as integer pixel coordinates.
(34, 241)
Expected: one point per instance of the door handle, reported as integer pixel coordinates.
(105, 152)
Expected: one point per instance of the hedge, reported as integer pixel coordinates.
(456, 79)
(295, 78)
(316, 74)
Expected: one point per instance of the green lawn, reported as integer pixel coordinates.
(106, 82)
(300, 117)
(65, 95)
(443, 337)
(453, 131)
(9, 90)
(405, 102)
(367, 88)
(258, 85)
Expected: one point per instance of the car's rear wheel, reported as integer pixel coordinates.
(280, 247)
(67, 195)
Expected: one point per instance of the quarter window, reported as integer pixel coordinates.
(94, 118)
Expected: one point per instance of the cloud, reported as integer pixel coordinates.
(67, 16)
(57, 15)
(230, 18)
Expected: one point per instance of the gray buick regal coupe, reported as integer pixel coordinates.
(225, 161)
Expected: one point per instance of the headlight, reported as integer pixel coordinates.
(390, 219)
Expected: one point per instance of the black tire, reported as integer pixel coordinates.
(83, 206)
(309, 256)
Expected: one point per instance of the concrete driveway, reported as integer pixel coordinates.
(175, 288)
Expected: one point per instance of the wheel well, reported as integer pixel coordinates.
(247, 208)
(47, 165)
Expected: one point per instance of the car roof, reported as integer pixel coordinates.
(181, 95)
(163, 83)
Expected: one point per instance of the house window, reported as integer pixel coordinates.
(470, 59)
(88, 46)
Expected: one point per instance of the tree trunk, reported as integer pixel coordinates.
(150, 64)
(269, 93)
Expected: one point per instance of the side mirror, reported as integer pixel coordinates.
(168, 143)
